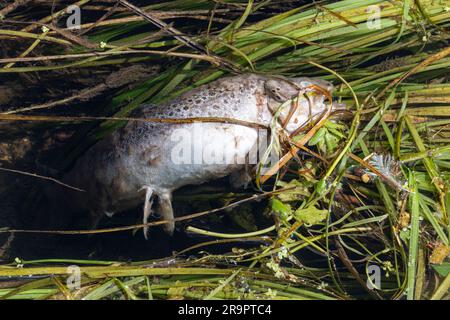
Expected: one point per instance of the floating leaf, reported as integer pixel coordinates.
(297, 192)
(311, 215)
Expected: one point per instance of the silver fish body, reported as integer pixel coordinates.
(144, 161)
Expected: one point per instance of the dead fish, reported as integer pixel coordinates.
(145, 161)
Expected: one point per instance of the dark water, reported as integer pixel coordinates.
(129, 245)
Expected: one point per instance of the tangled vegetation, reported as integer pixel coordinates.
(369, 192)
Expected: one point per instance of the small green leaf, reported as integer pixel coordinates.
(321, 186)
(317, 137)
(331, 141)
(405, 234)
(297, 192)
(281, 208)
(443, 269)
(311, 215)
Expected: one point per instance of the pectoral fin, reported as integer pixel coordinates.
(147, 208)
(166, 212)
